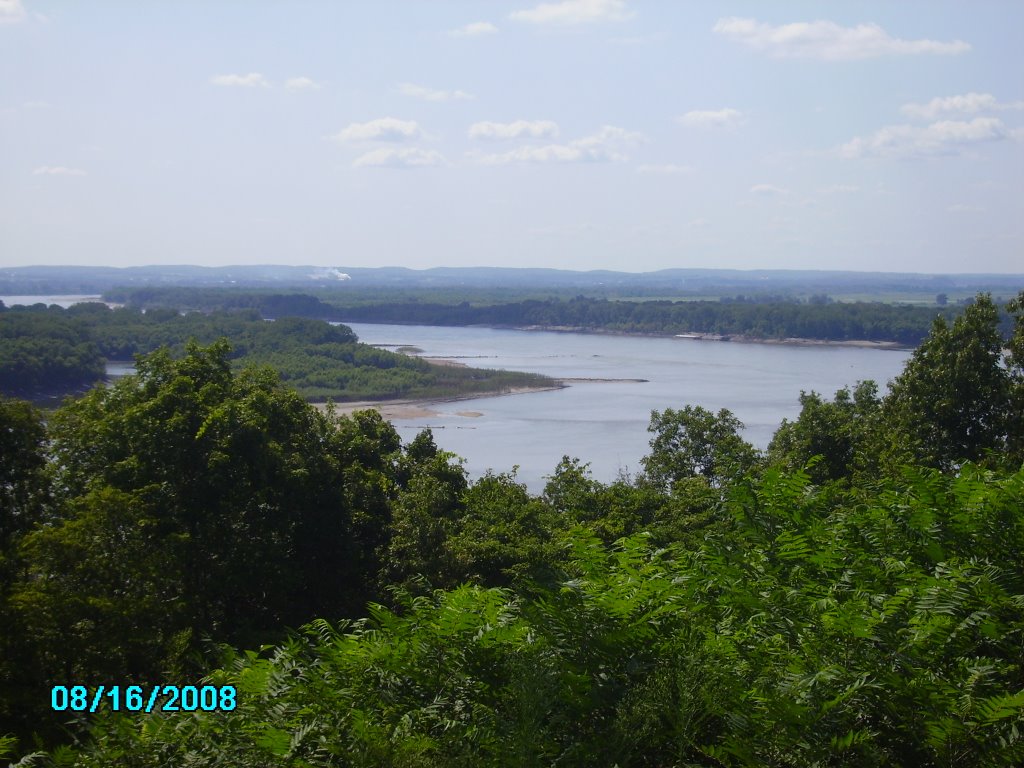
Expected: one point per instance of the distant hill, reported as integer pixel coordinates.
(62, 279)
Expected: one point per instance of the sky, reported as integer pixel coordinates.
(580, 134)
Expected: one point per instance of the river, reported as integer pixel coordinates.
(62, 300)
(604, 423)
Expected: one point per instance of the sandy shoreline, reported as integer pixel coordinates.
(417, 408)
(420, 408)
(796, 341)
(734, 338)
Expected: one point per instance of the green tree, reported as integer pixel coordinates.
(692, 511)
(695, 442)
(373, 471)
(22, 458)
(1015, 364)
(883, 630)
(423, 517)
(625, 507)
(573, 493)
(841, 433)
(42, 351)
(504, 534)
(189, 501)
(23, 493)
(951, 403)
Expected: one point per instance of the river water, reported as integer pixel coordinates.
(62, 300)
(605, 423)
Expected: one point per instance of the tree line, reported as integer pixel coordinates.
(761, 316)
(50, 351)
(774, 320)
(850, 596)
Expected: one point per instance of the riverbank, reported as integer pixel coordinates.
(419, 408)
(735, 338)
(794, 341)
(604, 423)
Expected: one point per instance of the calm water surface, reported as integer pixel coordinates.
(605, 423)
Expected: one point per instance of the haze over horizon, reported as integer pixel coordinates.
(575, 134)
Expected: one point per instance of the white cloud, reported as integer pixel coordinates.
(573, 12)
(964, 104)
(476, 29)
(533, 129)
(250, 80)
(604, 146)
(406, 157)
(609, 135)
(948, 137)
(302, 84)
(768, 190)
(827, 40)
(57, 170)
(841, 189)
(11, 11)
(962, 208)
(665, 169)
(551, 153)
(429, 94)
(382, 129)
(712, 118)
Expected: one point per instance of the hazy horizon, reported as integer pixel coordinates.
(172, 265)
(572, 134)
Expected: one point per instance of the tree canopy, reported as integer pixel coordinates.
(850, 597)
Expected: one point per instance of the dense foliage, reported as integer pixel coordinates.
(762, 316)
(775, 320)
(855, 596)
(872, 634)
(267, 303)
(41, 353)
(49, 350)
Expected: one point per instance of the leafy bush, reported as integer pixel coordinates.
(883, 632)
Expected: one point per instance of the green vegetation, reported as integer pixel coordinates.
(770, 320)
(272, 304)
(854, 596)
(754, 315)
(43, 352)
(53, 351)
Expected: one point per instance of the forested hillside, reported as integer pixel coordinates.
(50, 351)
(353, 280)
(45, 349)
(852, 596)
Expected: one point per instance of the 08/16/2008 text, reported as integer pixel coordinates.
(137, 698)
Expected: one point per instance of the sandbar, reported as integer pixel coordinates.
(427, 407)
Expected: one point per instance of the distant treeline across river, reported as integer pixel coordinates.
(821, 320)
